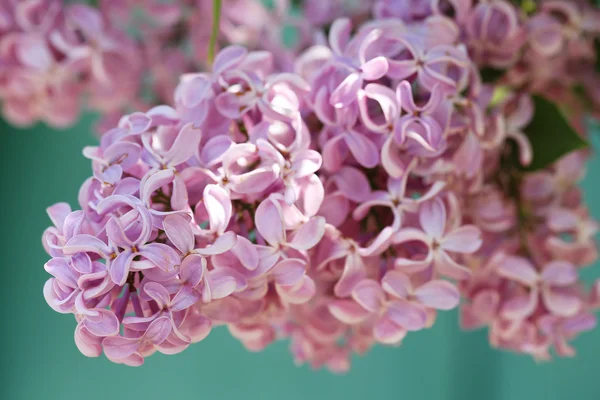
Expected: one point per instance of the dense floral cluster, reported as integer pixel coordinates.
(343, 201)
(127, 55)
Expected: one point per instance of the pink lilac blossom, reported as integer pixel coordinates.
(340, 198)
(126, 55)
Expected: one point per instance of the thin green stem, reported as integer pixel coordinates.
(215, 31)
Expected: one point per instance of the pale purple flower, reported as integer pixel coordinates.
(441, 241)
(551, 284)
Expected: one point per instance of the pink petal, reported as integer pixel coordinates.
(379, 244)
(289, 272)
(465, 239)
(300, 293)
(60, 269)
(185, 298)
(363, 150)
(245, 251)
(438, 294)
(347, 91)
(518, 269)
(162, 255)
(213, 150)
(229, 105)
(254, 182)
(561, 303)
(58, 213)
(387, 332)
(520, 307)
(218, 206)
(196, 327)
(105, 323)
(407, 315)
(485, 304)
(119, 267)
(306, 162)
(354, 272)
(119, 347)
(369, 295)
(348, 311)
(223, 243)
(309, 234)
(559, 273)
(179, 232)
(33, 52)
(391, 160)
(375, 68)
(312, 195)
(334, 153)
(228, 58)
(339, 34)
(185, 145)
(386, 99)
(86, 243)
(450, 268)
(397, 284)
(432, 217)
(153, 181)
(158, 330)
(137, 123)
(157, 293)
(88, 344)
(269, 222)
(353, 184)
(192, 269)
(221, 283)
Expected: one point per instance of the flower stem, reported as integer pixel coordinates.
(215, 31)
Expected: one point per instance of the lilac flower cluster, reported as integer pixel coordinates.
(340, 203)
(126, 55)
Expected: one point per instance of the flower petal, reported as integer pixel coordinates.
(432, 217)
(179, 232)
(269, 222)
(218, 206)
(289, 272)
(559, 273)
(348, 311)
(518, 269)
(561, 303)
(369, 295)
(119, 347)
(104, 323)
(119, 267)
(465, 239)
(158, 330)
(450, 268)
(438, 294)
(309, 234)
(407, 315)
(397, 284)
(387, 332)
(185, 298)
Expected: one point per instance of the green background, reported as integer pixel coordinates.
(39, 359)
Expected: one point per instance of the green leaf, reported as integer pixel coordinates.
(550, 134)
(490, 75)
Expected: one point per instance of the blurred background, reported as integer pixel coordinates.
(39, 359)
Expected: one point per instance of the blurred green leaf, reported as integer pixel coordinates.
(490, 75)
(550, 134)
